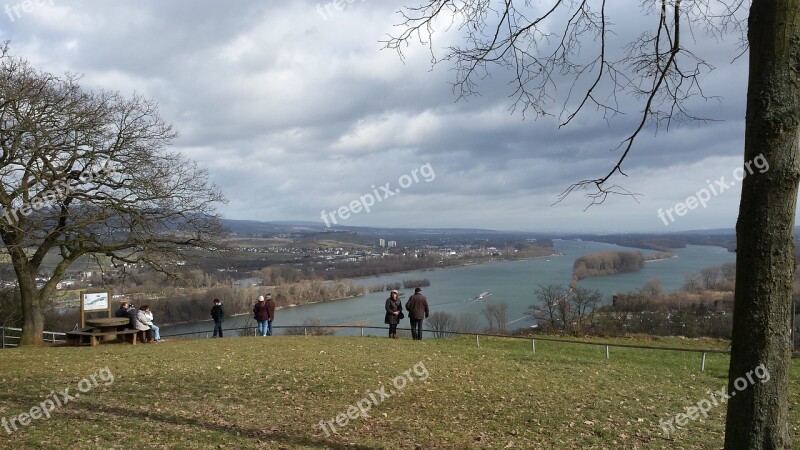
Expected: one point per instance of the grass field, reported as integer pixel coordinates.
(272, 393)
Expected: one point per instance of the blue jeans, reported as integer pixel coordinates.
(269, 327)
(156, 333)
(217, 329)
(262, 327)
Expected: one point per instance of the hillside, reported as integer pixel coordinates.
(274, 393)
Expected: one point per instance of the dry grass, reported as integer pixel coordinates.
(272, 393)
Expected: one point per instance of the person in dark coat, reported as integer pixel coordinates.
(261, 314)
(271, 310)
(417, 306)
(122, 311)
(218, 314)
(394, 312)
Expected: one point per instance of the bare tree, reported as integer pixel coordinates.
(652, 288)
(692, 282)
(584, 303)
(564, 313)
(710, 277)
(535, 42)
(728, 271)
(467, 323)
(501, 317)
(549, 297)
(89, 174)
(488, 311)
(442, 324)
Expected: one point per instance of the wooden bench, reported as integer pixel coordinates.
(77, 338)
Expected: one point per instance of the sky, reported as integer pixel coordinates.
(298, 112)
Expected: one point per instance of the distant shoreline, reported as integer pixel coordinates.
(355, 280)
(454, 266)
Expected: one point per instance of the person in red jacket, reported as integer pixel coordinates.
(261, 314)
(271, 310)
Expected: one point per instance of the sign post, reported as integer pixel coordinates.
(94, 303)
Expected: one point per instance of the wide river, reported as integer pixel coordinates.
(511, 282)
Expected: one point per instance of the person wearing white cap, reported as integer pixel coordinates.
(261, 314)
(394, 312)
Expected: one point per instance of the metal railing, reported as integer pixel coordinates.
(9, 337)
(439, 334)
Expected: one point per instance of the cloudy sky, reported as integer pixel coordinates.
(294, 108)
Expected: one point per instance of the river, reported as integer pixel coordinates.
(511, 282)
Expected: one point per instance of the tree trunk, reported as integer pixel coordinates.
(32, 312)
(758, 413)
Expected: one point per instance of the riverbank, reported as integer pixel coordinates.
(365, 281)
(510, 282)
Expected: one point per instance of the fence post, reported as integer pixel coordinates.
(606, 352)
(362, 331)
(478, 340)
(305, 333)
(703, 362)
(3, 333)
(533, 345)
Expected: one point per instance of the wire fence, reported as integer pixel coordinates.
(9, 337)
(439, 334)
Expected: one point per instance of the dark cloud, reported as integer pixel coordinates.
(295, 108)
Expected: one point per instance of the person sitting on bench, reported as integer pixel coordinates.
(144, 322)
(122, 311)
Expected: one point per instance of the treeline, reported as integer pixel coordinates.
(176, 305)
(646, 310)
(290, 273)
(606, 263)
(665, 243)
(407, 284)
(659, 256)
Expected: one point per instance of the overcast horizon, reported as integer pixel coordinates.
(297, 112)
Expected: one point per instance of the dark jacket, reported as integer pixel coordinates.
(261, 311)
(132, 312)
(217, 313)
(417, 306)
(392, 306)
(121, 312)
(270, 307)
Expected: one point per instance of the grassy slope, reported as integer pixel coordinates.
(272, 393)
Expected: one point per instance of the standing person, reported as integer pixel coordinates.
(149, 316)
(271, 310)
(394, 312)
(417, 306)
(218, 314)
(261, 314)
